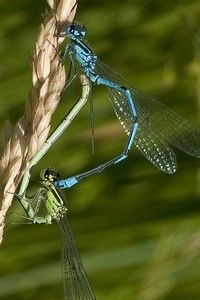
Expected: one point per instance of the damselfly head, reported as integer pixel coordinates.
(49, 175)
(76, 31)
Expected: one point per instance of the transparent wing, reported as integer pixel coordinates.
(159, 126)
(76, 284)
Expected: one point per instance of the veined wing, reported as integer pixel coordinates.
(158, 127)
(76, 284)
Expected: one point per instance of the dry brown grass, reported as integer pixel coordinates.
(48, 79)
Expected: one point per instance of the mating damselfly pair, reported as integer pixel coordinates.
(152, 127)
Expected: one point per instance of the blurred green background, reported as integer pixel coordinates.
(137, 229)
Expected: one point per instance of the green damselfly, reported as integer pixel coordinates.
(76, 283)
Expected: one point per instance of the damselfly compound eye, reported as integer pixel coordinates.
(50, 175)
(76, 31)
